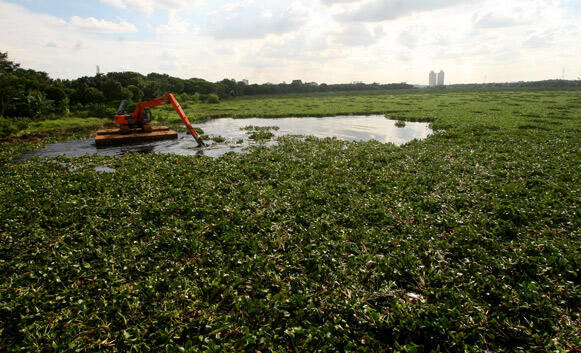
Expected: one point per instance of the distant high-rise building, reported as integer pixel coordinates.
(432, 79)
(245, 81)
(441, 78)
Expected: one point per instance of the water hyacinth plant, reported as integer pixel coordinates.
(466, 241)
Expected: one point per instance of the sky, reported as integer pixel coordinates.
(332, 41)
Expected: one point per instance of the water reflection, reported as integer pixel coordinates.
(353, 128)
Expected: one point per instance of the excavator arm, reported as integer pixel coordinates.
(176, 106)
(136, 118)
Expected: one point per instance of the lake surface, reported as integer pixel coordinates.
(352, 128)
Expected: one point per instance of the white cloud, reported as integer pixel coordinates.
(116, 3)
(498, 20)
(149, 6)
(382, 10)
(176, 25)
(411, 36)
(357, 35)
(333, 2)
(246, 19)
(102, 26)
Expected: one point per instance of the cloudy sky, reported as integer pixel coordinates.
(329, 41)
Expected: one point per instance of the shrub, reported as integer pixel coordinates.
(11, 126)
(213, 99)
(183, 98)
(101, 111)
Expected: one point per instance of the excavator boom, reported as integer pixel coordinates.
(137, 117)
(184, 118)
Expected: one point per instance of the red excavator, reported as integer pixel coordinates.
(136, 127)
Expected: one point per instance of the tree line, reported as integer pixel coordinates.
(33, 94)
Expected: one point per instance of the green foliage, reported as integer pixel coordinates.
(100, 111)
(136, 93)
(37, 104)
(91, 95)
(12, 126)
(113, 91)
(7, 66)
(62, 107)
(184, 97)
(261, 135)
(218, 139)
(212, 99)
(466, 241)
(259, 128)
(56, 94)
(72, 122)
(127, 78)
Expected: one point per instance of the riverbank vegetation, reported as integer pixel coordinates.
(28, 96)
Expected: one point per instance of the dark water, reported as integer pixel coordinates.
(354, 128)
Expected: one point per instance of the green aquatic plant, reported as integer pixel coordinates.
(260, 133)
(466, 241)
(259, 128)
(218, 139)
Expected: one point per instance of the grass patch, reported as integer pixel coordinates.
(65, 123)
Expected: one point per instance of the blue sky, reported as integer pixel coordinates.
(313, 40)
(64, 10)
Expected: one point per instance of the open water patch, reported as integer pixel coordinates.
(104, 169)
(233, 135)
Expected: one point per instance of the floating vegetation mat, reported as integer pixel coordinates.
(468, 241)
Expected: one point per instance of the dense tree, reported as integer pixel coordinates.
(113, 90)
(198, 85)
(91, 95)
(7, 66)
(226, 88)
(127, 78)
(136, 92)
(55, 94)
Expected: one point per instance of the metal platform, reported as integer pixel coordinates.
(114, 137)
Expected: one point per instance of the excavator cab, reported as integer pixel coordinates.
(142, 122)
